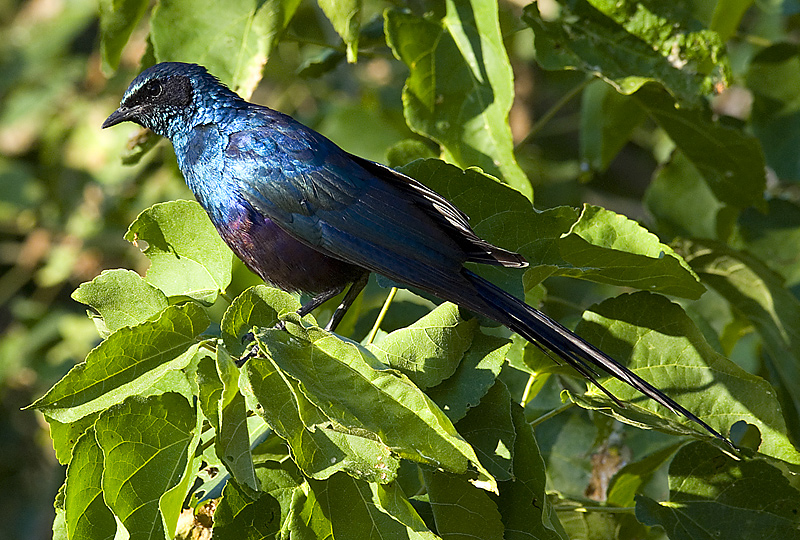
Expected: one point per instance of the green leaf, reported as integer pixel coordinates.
(118, 19)
(355, 390)
(490, 430)
(258, 306)
(473, 377)
(428, 351)
(461, 510)
(66, 435)
(727, 17)
(713, 496)
(343, 507)
(460, 86)
(629, 44)
(319, 447)
(772, 74)
(240, 517)
(683, 203)
(121, 298)
(87, 515)
(758, 293)
(597, 245)
(730, 160)
(146, 445)
(126, 364)
(669, 351)
(225, 409)
(346, 19)
(239, 36)
(608, 119)
(524, 507)
(774, 237)
(187, 256)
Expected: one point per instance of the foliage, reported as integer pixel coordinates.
(180, 403)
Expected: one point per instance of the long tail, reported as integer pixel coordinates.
(544, 332)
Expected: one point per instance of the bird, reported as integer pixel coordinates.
(307, 216)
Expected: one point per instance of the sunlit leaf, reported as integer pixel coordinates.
(187, 256)
(87, 515)
(126, 364)
(460, 86)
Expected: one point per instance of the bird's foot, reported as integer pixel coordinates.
(251, 350)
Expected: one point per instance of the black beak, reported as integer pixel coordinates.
(117, 117)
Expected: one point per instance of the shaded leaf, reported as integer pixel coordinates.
(774, 237)
(608, 119)
(66, 435)
(730, 160)
(460, 85)
(669, 351)
(629, 44)
(758, 293)
(490, 430)
(523, 504)
(346, 19)
(713, 496)
(628, 481)
(187, 256)
(473, 377)
(118, 18)
(121, 298)
(428, 351)
(126, 364)
(460, 509)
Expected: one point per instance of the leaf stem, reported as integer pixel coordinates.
(525, 393)
(546, 117)
(381, 315)
(548, 415)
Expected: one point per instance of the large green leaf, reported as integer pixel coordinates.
(430, 350)
(730, 160)
(146, 446)
(238, 36)
(713, 496)
(473, 377)
(121, 298)
(608, 119)
(319, 446)
(343, 507)
(118, 18)
(258, 306)
(187, 256)
(461, 510)
(126, 364)
(669, 351)
(524, 507)
(346, 19)
(87, 515)
(460, 86)
(759, 294)
(771, 76)
(629, 44)
(352, 388)
(595, 244)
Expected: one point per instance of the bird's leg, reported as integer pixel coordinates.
(357, 286)
(318, 300)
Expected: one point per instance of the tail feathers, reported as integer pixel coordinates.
(544, 332)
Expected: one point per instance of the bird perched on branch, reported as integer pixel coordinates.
(307, 216)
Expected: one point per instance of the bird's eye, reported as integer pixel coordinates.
(153, 88)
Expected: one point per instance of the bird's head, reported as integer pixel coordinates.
(165, 97)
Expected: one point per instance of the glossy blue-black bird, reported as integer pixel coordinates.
(307, 216)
